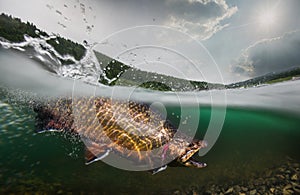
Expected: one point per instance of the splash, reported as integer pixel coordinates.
(87, 69)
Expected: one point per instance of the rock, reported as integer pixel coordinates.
(273, 180)
(225, 187)
(237, 188)
(296, 187)
(253, 192)
(217, 189)
(294, 177)
(287, 189)
(287, 176)
(229, 191)
(280, 176)
(288, 186)
(288, 192)
(194, 192)
(262, 189)
(269, 173)
(251, 186)
(272, 190)
(244, 189)
(242, 193)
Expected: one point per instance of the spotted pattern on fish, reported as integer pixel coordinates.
(131, 129)
(133, 125)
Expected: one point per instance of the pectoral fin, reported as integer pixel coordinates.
(95, 152)
(159, 169)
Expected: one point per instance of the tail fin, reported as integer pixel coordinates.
(53, 115)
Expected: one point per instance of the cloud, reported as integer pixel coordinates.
(199, 18)
(270, 55)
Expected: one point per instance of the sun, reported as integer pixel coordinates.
(267, 19)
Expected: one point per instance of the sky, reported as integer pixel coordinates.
(229, 40)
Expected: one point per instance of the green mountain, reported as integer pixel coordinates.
(13, 30)
(270, 78)
(118, 73)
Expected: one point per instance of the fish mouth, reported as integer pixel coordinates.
(194, 163)
(194, 147)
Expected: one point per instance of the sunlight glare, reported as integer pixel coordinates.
(267, 19)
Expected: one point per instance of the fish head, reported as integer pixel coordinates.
(186, 157)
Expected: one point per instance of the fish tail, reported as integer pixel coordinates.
(54, 115)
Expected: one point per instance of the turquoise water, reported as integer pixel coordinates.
(251, 141)
(261, 131)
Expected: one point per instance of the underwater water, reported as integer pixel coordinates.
(251, 141)
(260, 131)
